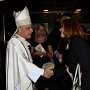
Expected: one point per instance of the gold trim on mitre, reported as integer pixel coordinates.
(22, 17)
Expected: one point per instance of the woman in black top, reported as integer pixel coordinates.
(42, 52)
(78, 50)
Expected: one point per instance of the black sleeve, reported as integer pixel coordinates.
(59, 71)
(82, 51)
(62, 46)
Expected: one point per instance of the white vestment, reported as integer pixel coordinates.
(20, 71)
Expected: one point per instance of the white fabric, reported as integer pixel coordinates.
(40, 48)
(22, 17)
(19, 65)
(77, 79)
(34, 75)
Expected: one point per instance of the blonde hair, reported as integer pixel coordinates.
(38, 27)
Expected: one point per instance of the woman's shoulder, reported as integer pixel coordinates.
(77, 39)
(34, 43)
(79, 42)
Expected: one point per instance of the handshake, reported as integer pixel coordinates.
(48, 67)
(48, 73)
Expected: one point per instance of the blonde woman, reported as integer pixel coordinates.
(42, 52)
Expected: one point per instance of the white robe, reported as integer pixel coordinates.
(20, 71)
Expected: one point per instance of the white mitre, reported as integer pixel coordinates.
(22, 17)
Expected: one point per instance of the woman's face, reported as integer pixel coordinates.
(62, 30)
(41, 31)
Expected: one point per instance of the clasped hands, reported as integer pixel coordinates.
(48, 73)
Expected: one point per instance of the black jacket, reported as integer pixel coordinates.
(79, 51)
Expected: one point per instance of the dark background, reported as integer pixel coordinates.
(57, 8)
